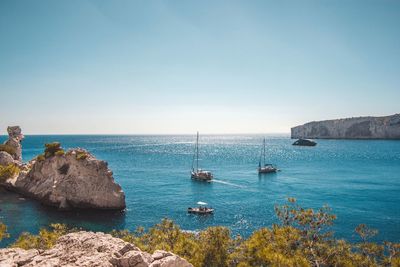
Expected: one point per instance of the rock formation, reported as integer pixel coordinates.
(387, 127)
(14, 140)
(90, 249)
(5, 158)
(75, 179)
(70, 180)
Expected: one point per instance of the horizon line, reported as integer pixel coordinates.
(149, 134)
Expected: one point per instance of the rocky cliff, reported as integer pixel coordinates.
(387, 127)
(67, 180)
(12, 146)
(90, 249)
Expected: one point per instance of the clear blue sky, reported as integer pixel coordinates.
(79, 66)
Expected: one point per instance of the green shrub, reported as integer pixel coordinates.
(3, 231)
(8, 171)
(44, 240)
(60, 152)
(81, 155)
(215, 244)
(9, 149)
(40, 157)
(51, 149)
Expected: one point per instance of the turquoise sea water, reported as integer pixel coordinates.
(360, 180)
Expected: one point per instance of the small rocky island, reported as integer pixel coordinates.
(387, 127)
(72, 179)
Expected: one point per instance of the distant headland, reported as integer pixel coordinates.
(387, 127)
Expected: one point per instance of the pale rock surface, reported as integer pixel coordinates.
(167, 259)
(5, 158)
(89, 249)
(387, 127)
(64, 181)
(15, 138)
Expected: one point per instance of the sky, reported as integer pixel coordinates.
(177, 67)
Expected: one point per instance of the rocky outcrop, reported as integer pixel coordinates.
(5, 158)
(387, 127)
(90, 249)
(75, 179)
(15, 138)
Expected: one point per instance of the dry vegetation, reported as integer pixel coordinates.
(303, 238)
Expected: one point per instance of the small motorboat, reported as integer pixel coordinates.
(202, 209)
(265, 167)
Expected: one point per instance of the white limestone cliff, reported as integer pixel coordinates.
(387, 127)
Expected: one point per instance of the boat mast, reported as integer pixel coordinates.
(259, 163)
(197, 145)
(194, 157)
(264, 151)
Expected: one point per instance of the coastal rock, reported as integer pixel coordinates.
(5, 158)
(89, 249)
(75, 179)
(387, 127)
(16, 256)
(15, 138)
(167, 259)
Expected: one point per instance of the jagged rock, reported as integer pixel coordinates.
(16, 257)
(75, 179)
(14, 140)
(167, 259)
(89, 249)
(5, 158)
(387, 127)
(159, 254)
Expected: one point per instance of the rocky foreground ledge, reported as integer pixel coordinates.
(90, 249)
(74, 179)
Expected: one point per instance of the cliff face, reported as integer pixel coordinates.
(387, 127)
(75, 179)
(67, 182)
(12, 146)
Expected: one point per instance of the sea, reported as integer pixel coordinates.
(358, 179)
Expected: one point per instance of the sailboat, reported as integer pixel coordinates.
(265, 167)
(199, 174)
